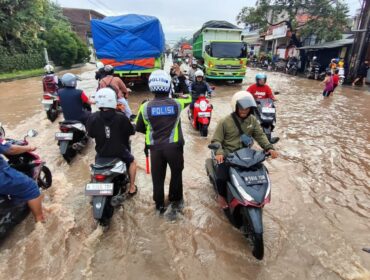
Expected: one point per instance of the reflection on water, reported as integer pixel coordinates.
(315, 226)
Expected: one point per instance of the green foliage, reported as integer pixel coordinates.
(29, 25)
(327, 19)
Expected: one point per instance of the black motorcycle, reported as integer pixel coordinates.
(31, 165)
(51, 106)
(292, 68)
(72, 139)
(313, 72)
(266, 115)
(248, 190)
(108, 187)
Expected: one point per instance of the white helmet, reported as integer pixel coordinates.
(159, 82)
(106, 98)
(243, 99)
(99, 65)
(49, 68)
(314, 58)
(199, 73)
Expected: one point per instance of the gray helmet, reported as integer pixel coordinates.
(69, 80)
(243, 100)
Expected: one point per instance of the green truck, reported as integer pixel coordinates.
(219, 44)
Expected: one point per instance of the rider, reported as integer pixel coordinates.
(50, 81)
(159, 119)
(260, 90)
(227, 134)
(199, 87)
(192, 71)
(99, 73)
(112, 130)
(180, 86)
(73, 101)
(114, 82)
(19, 186)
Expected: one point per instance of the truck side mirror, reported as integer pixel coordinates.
(208, 49)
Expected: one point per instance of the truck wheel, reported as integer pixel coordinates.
(238, 81)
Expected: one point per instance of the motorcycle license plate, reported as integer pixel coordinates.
(204, 114)
(47, 101)
(255, 179)
(99, 189)
(267, 110)
(63, 136)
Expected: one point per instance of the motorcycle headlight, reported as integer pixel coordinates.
(203, 105)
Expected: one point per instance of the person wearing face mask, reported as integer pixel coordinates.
(228, 134)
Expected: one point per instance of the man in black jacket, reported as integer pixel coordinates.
(112, 131)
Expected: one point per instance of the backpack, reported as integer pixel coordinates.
(49, 84)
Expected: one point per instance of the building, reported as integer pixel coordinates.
(80, 21)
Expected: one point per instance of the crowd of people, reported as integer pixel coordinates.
(158, 119)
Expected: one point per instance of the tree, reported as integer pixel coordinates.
(327, 19)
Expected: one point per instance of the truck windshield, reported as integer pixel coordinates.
(228, 50)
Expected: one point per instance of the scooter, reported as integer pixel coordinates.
(248, 190)
(266, 115)
(51, 106)
(313, 72)
(292, 68)
(72, 139)
(108, 187)
(31, 165)
(200, 116)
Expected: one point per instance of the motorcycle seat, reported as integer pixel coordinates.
(105, 162)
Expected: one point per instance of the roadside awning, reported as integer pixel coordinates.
(329, 45)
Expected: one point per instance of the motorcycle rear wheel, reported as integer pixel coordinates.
(52, 114)
(45, 179)
(203, 129)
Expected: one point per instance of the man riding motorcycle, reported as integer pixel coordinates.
(228, 133)
(160, 120)
(114, 82)
(16, 184)
(74, 102)
(192, 71)
(50, 81)
(199, 87)
(111, 131)
(260, 90)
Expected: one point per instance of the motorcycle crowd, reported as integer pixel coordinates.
(235, 167)
(314, 70)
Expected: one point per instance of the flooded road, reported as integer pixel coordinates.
(315, 227)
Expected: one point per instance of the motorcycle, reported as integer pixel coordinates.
(248, 190)
(51, 106)
(200, 116)
(313, 72)
(292, 68)
(266, 115)
(108, 186)
(31, 165)
(72, 139)
(342, 76)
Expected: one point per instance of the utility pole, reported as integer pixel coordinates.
(361, 41)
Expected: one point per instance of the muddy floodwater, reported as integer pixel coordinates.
(315, 227)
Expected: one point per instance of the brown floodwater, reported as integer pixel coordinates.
(315, 226)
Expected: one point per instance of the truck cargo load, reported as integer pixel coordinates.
(133, 44)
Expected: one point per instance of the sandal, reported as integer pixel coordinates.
(133, 193)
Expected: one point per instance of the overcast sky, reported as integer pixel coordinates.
(179, 18)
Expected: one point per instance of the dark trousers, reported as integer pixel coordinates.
(222, 175)
(174, 157)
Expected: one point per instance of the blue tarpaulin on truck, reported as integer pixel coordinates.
(128, 37)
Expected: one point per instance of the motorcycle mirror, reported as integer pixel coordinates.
(277, 92)
(32, 133)
(214, 146)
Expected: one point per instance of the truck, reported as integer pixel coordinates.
(133, 44)
(219, 45)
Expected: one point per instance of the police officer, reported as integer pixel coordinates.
(159, 119)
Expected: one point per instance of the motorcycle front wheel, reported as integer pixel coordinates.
(256, 238)
(44, 180)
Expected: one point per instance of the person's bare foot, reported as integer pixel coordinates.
(222, 202)
(133, 190)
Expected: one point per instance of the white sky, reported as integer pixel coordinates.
(179, 18)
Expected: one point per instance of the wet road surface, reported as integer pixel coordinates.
(315, 227)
